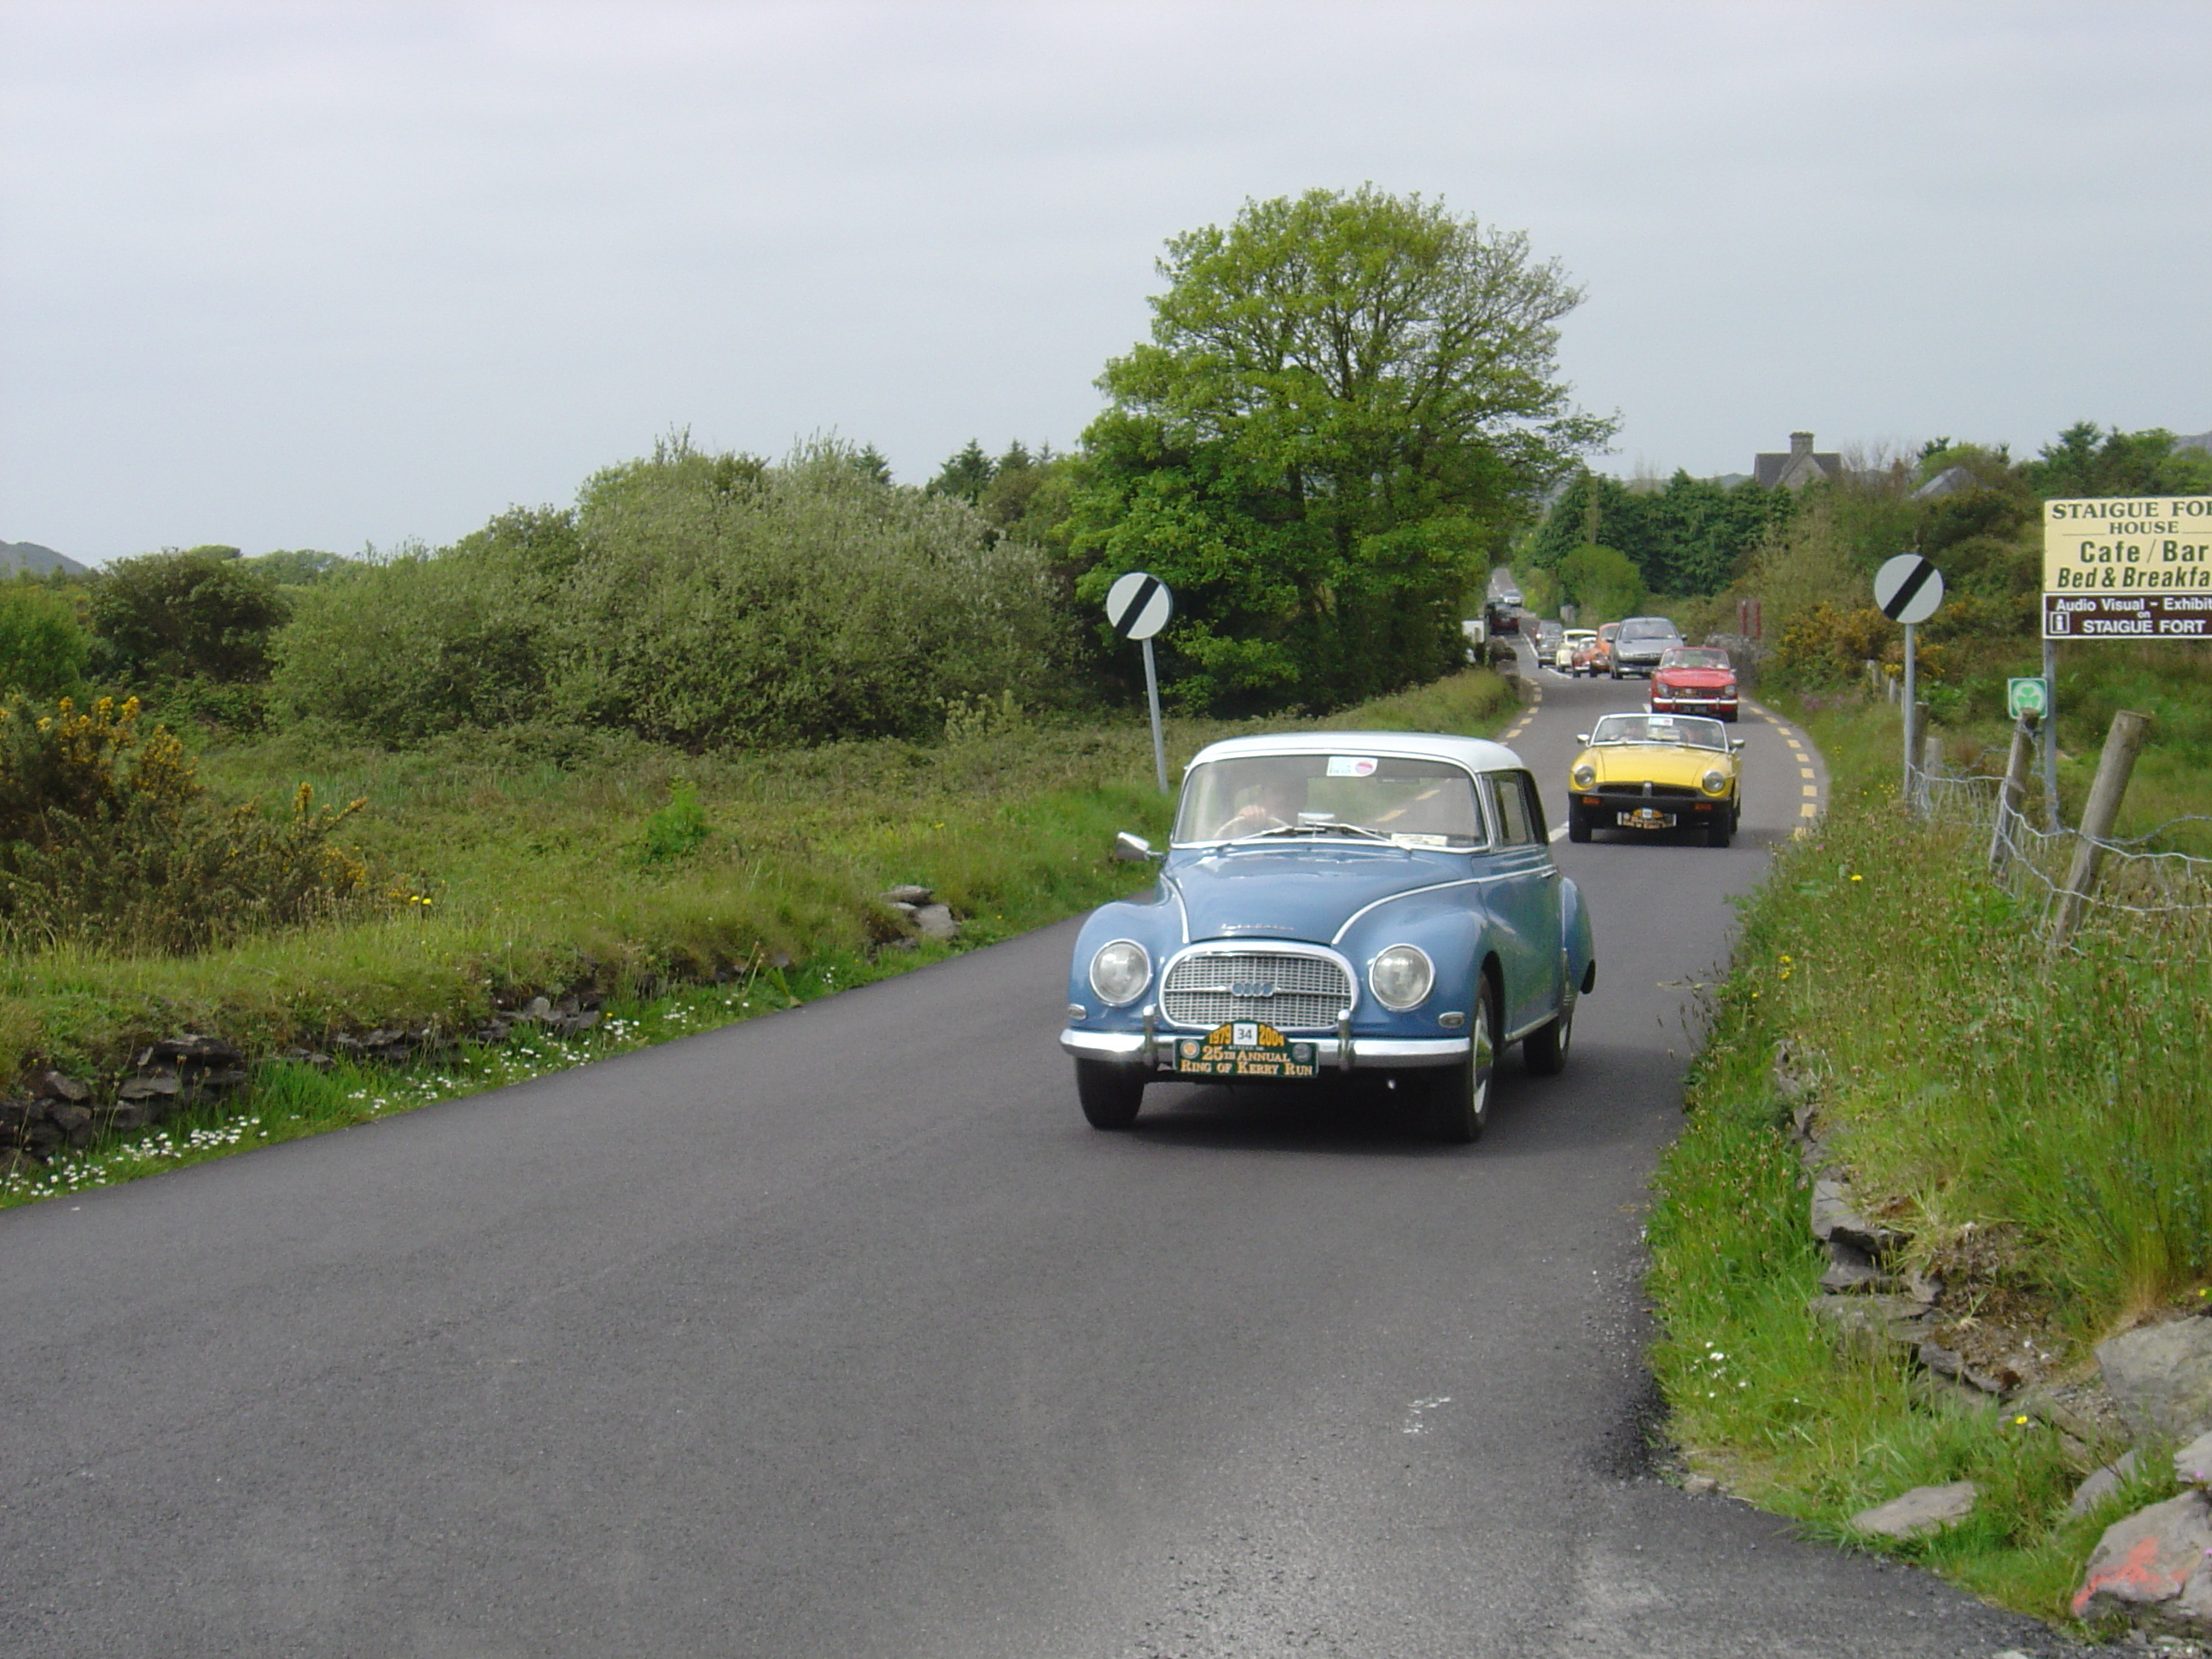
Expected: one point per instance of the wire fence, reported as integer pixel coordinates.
(2129, 885)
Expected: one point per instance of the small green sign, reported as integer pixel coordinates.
(2029, 696)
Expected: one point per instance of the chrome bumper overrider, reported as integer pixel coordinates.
(1127, 1048)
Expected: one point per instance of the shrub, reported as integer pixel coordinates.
(43, 647)
(175, 614)
(105, 833)
(692, 599)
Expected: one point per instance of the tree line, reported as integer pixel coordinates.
(1347, 409)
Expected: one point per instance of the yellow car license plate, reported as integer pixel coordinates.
(1245, 1048)
(1646, 817)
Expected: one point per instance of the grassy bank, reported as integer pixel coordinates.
(684, 890)
(2040, 1126)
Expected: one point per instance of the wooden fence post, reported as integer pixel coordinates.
(2122, 743)
(2016, 786)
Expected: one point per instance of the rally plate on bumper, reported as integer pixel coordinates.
(1245, 1049)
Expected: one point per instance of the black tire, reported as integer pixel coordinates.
(1461, 1099)
(1718, 832)
(1578, 821)
(1544, 1051)
(1110, 1095)
(1616, 673)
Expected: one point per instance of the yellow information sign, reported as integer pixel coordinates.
(2128, 566)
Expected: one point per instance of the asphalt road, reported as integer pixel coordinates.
(840, 1334)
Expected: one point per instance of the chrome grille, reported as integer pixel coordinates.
(1304, 993)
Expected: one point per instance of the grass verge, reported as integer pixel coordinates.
(686, 891)
(2040, 1127)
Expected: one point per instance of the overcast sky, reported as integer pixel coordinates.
(328, 275)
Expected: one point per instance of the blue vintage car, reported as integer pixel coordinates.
(1336, 902)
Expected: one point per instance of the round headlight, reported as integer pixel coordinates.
(1728, 691)
(1715, 781)
(1402, 976)
(1583, 776)
(1120, 972)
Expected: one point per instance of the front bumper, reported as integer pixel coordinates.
(1691, 702)
(1607, 802)
(1356, 1053)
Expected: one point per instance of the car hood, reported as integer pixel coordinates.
(1714, 677)
(1302, 892)
(1637, 763)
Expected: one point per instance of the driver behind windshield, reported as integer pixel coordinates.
(1275, 805)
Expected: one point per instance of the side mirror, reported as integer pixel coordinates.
(1133, 849)
(1582, 737)
(1736, 744)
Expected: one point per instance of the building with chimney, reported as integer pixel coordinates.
(1801, 466)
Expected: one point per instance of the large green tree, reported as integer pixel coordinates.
(1348, 404)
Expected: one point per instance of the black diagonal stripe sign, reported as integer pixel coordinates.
(1908, 588)
(1138, 605)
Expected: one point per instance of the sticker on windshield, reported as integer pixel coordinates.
(1351, 766)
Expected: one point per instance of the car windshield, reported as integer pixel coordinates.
(1692, 656)
(1648, 627)
(1673, 730)
(1413, 802)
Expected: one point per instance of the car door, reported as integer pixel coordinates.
(1524, 897)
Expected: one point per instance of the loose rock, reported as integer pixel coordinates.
(54, 1085)
(2102, 1484)
(2160, 1376)
(936, 921)
(2192, 1464)
(1834, 1217)
(2152, 1568)
(1922, 1510)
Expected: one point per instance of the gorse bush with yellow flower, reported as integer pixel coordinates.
(107, 834)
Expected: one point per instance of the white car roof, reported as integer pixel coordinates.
(1476, 754)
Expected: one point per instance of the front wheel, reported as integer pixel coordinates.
(1110, 1095)
(1578, 821)
(1722, 828)
(1544, 1051)
(1461, 1099)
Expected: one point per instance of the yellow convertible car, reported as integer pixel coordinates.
(1652, 773)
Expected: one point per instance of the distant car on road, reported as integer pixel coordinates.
(1547, 640)
(1640, 643)
(1596, 657)
(1694, 680)
(1571, 644)
(1334, 902)
(1501, 616)
(1510, 597)
(1656, 772)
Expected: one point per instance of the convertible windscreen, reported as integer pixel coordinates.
(1669, 729)
(1424, 803)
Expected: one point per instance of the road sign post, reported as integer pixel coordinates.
(1908, 589)
(1137, 606)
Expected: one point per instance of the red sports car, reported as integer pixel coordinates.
(1694, 680)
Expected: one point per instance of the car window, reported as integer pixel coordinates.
(1691, 656)
(1648, 628)
(1519, 819)
(1422, 802)
(1693, 730)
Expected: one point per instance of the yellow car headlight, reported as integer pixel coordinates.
(1715, 781)
(1583, 776)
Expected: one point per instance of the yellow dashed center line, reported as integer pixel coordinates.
(1805, 772)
